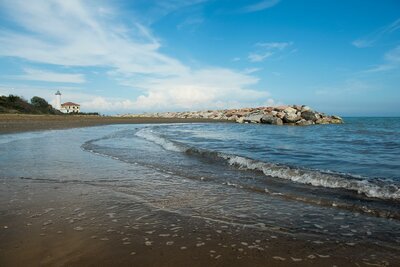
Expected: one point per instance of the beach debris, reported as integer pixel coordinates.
(133, 253)
(164, 235)
(47, 222)
(183, 248)
(311, 256)
(200, 244)
(148, 243)
(5, 227)
(217, 257)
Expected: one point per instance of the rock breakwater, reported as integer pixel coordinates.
(300, 115)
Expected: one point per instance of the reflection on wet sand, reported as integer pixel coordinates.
(75, 224)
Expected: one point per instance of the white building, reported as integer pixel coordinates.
(58, 100)
(67, 107)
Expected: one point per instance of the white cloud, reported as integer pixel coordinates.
(70, 33)
(76, 34)
(267, 50)
(265, 4)
(49, 76)
(371, 39)
(216, 87)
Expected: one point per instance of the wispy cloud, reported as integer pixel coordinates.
(150, 11)
(265, 4)
(190, 23)
(49, 76)
(348, 87)
(391, 61)
(266, 50)
(372, 38)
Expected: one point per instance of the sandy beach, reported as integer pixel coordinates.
(13, 123)
(60, 224)
(86, 220)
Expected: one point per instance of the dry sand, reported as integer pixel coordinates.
(13, 123)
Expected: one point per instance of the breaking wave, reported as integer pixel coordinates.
(382, 189)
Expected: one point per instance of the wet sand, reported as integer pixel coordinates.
(48, 223)
(13, 123)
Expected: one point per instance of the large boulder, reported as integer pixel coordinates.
(255, 118)
(270, 119)
(291, 118)
(303, 122)
(290, 110)
(305, 108)
(309, 115)
(240, 120)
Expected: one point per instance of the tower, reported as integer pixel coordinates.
(58, 100)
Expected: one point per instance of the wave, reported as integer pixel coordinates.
(149, 135)
(382, 189)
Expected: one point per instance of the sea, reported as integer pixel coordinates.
(326, 182)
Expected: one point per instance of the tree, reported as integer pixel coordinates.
(39, 102)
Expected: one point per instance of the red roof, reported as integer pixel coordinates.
(69, 104)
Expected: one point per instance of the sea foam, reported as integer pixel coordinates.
(380, 189)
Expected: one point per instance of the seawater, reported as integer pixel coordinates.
(326, 182)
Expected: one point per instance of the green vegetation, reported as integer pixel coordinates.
(18, 105)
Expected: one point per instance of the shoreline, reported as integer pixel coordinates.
(17, 123)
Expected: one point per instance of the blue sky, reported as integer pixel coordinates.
(339, 57)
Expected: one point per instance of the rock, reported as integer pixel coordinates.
(336, 121)
(253, 118)
(323, 120)
(280, 108)
(309, 115)
(289, 110)
(337, 118)
(304, 122)
(297, 107)
(291, 118)
(280, 115)
(270, 119)
(289, 115)
(240, 120)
